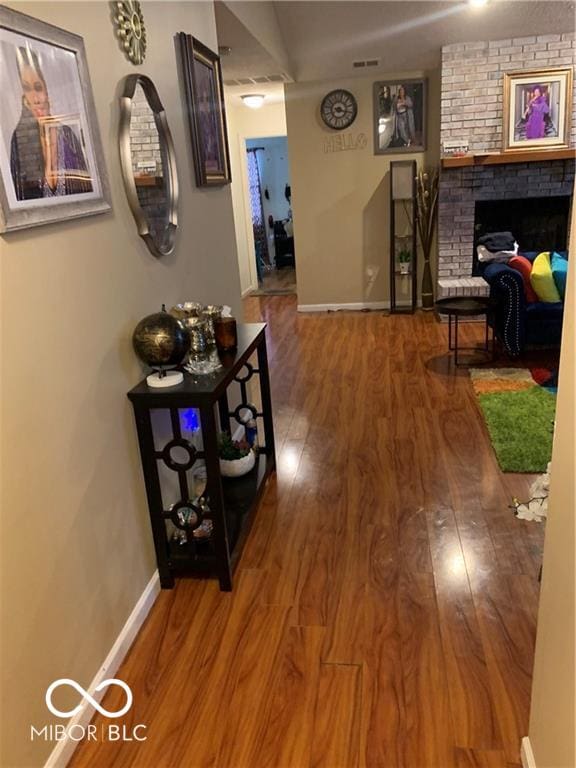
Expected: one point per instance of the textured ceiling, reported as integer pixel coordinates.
(324, 38)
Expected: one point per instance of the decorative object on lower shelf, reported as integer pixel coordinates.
(236, 456)
(404, 259)
(161, 341)
(427, 213)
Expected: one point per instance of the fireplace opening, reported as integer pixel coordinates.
(537, 223)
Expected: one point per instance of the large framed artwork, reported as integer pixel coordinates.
(537, 109)
(399, 116)
(51, 160)
(206, 113)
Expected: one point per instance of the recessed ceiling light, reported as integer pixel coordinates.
(478, 3)
(253, 100)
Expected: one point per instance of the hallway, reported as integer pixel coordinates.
(384, 610)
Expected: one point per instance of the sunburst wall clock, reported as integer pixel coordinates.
(130, 28)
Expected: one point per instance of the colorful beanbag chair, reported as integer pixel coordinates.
(524, 266)
(542, 279)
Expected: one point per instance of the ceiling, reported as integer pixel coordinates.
(248, 60)
(322, 39)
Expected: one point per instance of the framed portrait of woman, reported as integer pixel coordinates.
(206, 113)
(537, 109)
(51, 161)
(399, 116)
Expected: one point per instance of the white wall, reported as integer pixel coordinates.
(245, 123)
(553, 708)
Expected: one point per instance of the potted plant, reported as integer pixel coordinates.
(236, 456)
(427, 206)
(404, 259)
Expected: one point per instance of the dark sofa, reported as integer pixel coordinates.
(519, 323)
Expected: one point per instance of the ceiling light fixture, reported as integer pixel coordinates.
(478, 3)
(253, 100)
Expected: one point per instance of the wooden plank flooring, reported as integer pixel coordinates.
(384, 610)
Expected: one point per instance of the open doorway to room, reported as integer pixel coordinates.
(271, 211)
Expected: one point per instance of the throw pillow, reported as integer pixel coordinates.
(524, 266)
(560, 273)
(542, 280)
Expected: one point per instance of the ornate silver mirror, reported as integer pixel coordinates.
(148, 164)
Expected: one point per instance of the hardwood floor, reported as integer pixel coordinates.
(277, 281)
(384, 610)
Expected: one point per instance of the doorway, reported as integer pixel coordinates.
(271, 211)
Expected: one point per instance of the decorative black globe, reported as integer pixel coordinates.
(161, 340)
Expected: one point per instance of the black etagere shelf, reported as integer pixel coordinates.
(403, 260)
(229, 504)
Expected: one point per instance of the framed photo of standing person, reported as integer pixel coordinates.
(206, 113)
(537, 109)
(51, 160)
(399, 116)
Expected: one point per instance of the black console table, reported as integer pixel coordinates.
(228, 503)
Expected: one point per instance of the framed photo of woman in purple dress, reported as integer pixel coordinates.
(51, 161)
(537, 109)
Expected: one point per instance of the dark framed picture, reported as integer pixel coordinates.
(206, 113)
(399, 116)
(51, 161)
(537, 109)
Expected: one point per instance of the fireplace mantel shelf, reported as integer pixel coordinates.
(503, 158)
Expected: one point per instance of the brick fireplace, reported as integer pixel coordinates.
(471, 110)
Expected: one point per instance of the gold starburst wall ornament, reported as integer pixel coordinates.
(130, 28)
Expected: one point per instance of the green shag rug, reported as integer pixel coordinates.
(519, 408)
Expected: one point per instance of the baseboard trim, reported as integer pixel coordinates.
(353, 307)
(356, 306)
(526, 754)
(63, 751)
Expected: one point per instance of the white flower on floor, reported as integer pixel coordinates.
(537, 507)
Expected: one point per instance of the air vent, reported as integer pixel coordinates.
(278, 78)
(362, 64)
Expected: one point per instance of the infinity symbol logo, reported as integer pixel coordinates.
(86, 696)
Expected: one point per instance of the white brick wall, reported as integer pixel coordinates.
(144, 138)
(473, 83)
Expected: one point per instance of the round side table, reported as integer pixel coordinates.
(467, 306)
